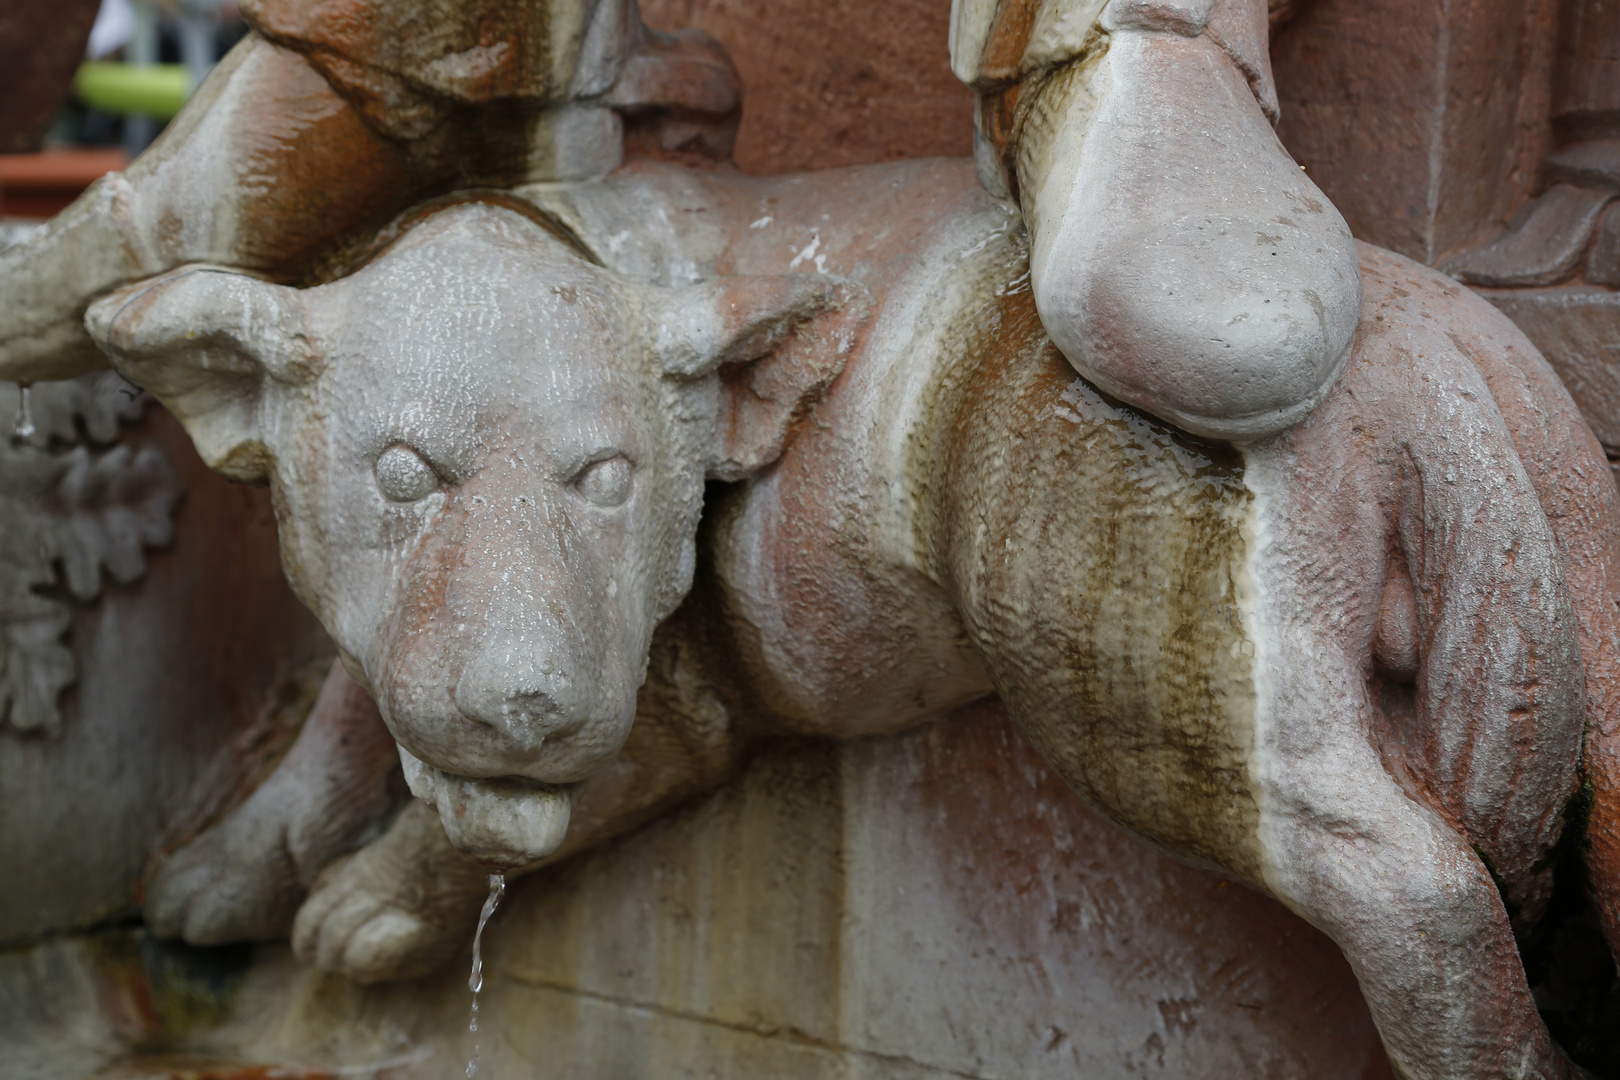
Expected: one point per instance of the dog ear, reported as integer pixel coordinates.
(777, 344)
(207, 342)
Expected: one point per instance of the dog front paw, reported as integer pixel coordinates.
(234, 882)
(399, 908)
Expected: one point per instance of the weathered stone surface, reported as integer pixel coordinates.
(835, 82)
(1576, 328)
(180, 696)
(56, 1018)
(1590, 164)
(1282, 12)
(1460, 94)
(870, 910)
(813, 103)
(1544, 245)
(41, 44)
(707, 1000)
(1126, 662)
(1603, 261)
(1588, 94)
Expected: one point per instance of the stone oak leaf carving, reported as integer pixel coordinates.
(76, 504)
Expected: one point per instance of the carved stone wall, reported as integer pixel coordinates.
(814, 102)
(1495, 157)
(1462, 95)
(170, 686)
(928, 906)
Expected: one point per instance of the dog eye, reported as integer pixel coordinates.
(605, 483)
(403, 476)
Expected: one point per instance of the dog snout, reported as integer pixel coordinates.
(525, 707)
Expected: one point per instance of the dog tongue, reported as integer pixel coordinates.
(506, 822)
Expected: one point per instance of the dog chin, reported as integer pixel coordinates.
(504, 822)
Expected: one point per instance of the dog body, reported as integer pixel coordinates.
(1346, 664)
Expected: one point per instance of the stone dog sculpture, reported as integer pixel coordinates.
(1134, 135)
(1349, 665)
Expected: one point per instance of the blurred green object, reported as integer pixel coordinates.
(156, 90)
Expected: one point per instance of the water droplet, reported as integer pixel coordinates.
(475, 981)
(24, 426)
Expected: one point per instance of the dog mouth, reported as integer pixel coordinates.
(504, 822)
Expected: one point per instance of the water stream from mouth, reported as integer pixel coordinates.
(475, 982)
(24, 425)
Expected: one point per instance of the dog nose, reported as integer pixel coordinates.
(510, 709)
(529, 705)
(526, 700)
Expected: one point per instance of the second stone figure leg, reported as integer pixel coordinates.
(397, 908)
(243, 878)
(1414, 909)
